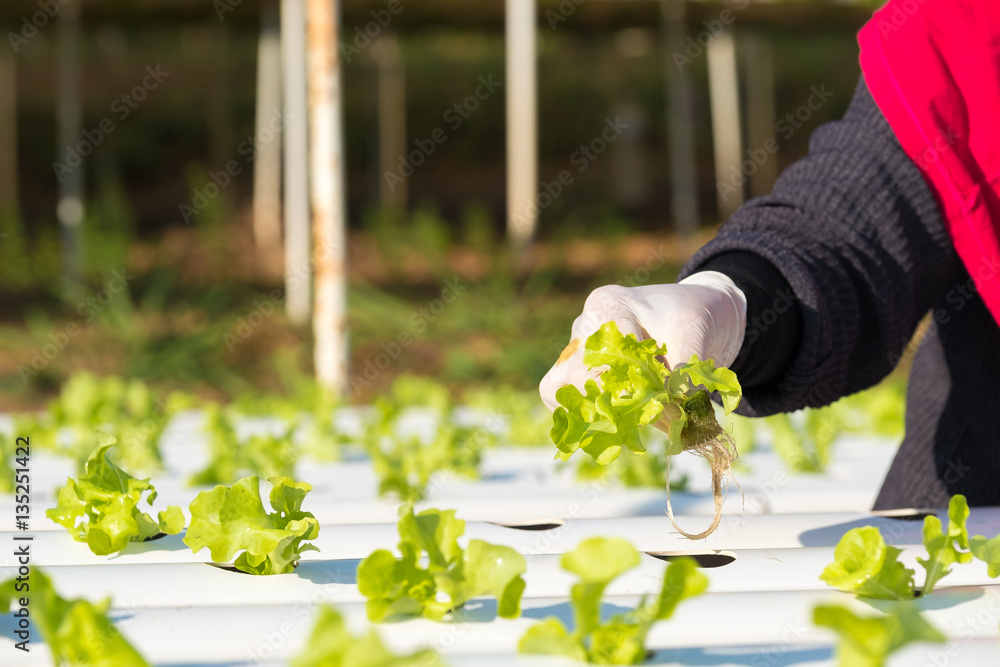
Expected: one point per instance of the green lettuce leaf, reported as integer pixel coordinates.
(945, 548)
(452, 576)
(331, 644)
(988, 551)
(550, 637)
(77, 631)
(621, 639)
(102, 507)
(230, 457)
(229, 520)
(868, 641)
(864, 565)
(597, 561)
(634, 391)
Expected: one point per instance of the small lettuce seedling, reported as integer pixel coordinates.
(637, 390)
(869, 641)
(864, 565)
(77, 631)
(267, 455)
(622, 639)
(229, 520)
(944, 549)
(331, 643)
(452, 577)
(102, 507)
(405, 463)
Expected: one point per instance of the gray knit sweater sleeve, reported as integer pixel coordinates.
(857, 234)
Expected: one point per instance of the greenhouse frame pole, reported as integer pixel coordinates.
(724, 94)
(680, 123)
(267, 161)
(298, 266)
(328, 194)
(522, 126)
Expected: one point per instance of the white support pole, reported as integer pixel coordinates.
(298, 265)
(8, 134)
(327, 193)
(680, 123)
(723, 85)
(267, 160)
(522, 126)
(69, 209)
(391, 119)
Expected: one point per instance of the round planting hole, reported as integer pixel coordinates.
(158, 536)
(903, 515)
(705, 559)
(547, 524)
(229, 567)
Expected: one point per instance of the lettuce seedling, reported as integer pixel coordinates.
(864, 565)
(102, 507)
(622, 639)
(126, 409)
(267, 455)
(452, 576)
(405, 463)
(637, 390)
(988, 551)
(945, 548)
(868, 641)
(331, 643)
(78, 632)
(232, 519)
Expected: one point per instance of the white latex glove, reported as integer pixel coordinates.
(704, 314)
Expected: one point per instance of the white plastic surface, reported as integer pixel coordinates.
(179, 610)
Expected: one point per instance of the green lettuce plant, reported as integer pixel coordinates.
(869, 641)
(101, 508)
(78, 632)
(637, 390)
(332, 644)
(864, 565)
(231, 520)
(452, 575)
(621, 640)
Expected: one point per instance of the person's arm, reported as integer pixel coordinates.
(839, 263)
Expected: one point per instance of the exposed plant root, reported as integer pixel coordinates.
(718, 448)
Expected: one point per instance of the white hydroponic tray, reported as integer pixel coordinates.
(178, 609)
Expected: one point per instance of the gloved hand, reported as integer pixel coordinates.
(704, 314)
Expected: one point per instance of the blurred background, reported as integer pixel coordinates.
(155, 129)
